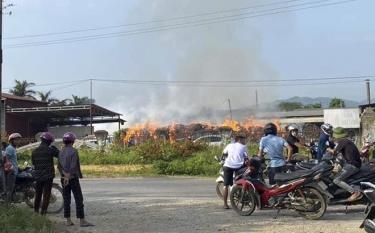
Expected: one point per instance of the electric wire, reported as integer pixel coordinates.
(168, 27)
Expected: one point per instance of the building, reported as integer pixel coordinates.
(29, 116)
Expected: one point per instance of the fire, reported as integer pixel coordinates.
(139, 133)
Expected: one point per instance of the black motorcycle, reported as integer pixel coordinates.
(340, 196)
(24, 191)
(368, 223)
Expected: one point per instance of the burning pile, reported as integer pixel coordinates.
(176, 132)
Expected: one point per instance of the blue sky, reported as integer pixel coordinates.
(336, 40)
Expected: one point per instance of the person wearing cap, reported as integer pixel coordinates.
(70, 171)
(236, 155)
(352, 158)
(11, 155)
(42, 160)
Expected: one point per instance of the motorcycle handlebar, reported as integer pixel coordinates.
(368, 184)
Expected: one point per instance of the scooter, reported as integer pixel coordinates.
(301, 191)
(220, 179)
(368, 223)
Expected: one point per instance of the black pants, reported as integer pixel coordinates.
(42, 189)
(75, 188)
(272, 172)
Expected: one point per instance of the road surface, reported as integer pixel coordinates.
(169, 205)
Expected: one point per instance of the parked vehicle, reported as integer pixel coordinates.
(212, 140)
(369, 223)
(340, 196)
(24, 191)
(301, 191)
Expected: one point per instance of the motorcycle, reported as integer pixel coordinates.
(368, 223)
(301, 191)
(220, 179)
(338, 195)
(24, 191)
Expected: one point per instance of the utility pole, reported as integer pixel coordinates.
(1, 70)
(230, 109)
(256, 99)
(368, 91)
(91, 131)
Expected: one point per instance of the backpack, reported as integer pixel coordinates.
(8, 166)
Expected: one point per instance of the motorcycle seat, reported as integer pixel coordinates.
(284, 177)
(306, 165)
(366, 171)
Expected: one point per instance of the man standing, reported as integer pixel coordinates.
(352, 158)
(236, 155)
(273, 146)
(12, 171)
(42, 160)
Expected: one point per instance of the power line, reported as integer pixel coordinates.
(175, 26)
(147, 22)
(53, 84)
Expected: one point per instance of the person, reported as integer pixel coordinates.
(352, 159)
(42, 160)
(11, 154)
(293, 140)
(70, 171)
(324, 140)
(273, 146)
(236, 155)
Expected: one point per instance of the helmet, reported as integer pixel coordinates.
(14, 136)
(292, 127)
(47, 136)
(327, 129)
(270, 128)
(69, 137)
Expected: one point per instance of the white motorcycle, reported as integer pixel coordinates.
(220, 179)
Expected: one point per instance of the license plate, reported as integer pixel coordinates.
(322, 185)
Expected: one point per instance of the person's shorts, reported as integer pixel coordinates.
(228, 175)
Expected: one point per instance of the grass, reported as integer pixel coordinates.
(16, 220)
(112, 171)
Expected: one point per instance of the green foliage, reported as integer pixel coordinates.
(289, 106)
(337, 103)
(316, 105)
(15, 220)
(23, 88)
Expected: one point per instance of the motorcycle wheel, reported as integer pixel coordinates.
(56, 202)
(220, 189)
(311, 198)
(242, 201)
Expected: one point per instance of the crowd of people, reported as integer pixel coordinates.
(333, 141)
(44, 172)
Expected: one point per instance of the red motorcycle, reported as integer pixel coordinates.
(301, 191)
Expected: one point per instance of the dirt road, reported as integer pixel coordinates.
(188, 205)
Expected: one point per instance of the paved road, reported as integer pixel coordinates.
(188, 205)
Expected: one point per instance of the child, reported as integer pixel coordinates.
(70, 171)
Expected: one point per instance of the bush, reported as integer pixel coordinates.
(15, 220)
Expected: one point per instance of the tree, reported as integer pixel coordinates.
(63, 102)
(316, 105)
(22, 88)
(76, 100)
(290, 106)
(337, 103)
(46, 97)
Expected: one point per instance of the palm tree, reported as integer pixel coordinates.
(76, 100)
(63, 102)
(22, 88)
(46, 97)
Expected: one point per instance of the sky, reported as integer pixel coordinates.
(330, 41)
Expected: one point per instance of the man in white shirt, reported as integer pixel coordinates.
(236, 156)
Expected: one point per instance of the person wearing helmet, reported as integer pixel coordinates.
(11, 155)
(353, 162)
(293, 139)
(42, 160)
(236, 155)
(324, 140)
(70, 171)
(273, 146)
